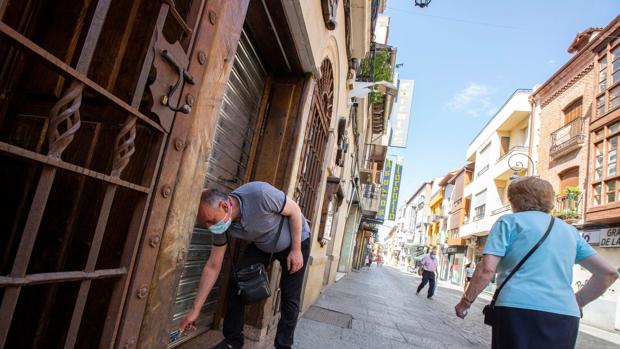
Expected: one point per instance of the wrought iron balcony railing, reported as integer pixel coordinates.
(568, 137)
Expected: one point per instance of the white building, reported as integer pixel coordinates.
(499, 151)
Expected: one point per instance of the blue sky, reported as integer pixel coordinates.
(467, 58)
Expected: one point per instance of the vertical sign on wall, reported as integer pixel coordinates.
(385, 186)
(401, 114)
(395, 191)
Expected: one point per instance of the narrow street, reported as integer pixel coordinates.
(387, 314)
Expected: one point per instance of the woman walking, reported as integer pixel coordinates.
(469, 273)
(533, 254)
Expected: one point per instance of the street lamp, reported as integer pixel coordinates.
(517, 165)
(422, 3)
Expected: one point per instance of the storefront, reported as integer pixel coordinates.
(603, 312)
(457, 263)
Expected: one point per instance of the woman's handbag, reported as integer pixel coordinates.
(252, 282)
(489, 309)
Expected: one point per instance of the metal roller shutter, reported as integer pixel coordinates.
(226, 169)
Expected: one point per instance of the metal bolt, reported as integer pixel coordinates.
(166, 190)
(142, 292)
(179, 144)
(190, 99)
(154, 241)
(202, 57)
(212, 17)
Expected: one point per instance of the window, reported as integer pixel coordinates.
(573, 111)
(605, 167)
(598, 165)
(596, 195)
(614, 98)
(479, 212)
(611, 191)
(315, 141)
(612, 156)
(454, 233)
(482, 163)
(600, 106)
(615, 65)
(569, 178)
(602, 74)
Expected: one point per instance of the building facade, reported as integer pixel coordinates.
(106, 156)
(497, 153)
(602, 203)
(458, 211)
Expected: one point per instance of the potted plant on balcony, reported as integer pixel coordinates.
(381, 69)
(567, 207)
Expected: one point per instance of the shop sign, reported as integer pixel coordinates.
(592, 237)
(610, 237)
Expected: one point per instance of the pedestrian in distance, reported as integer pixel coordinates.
(273, 223)
(469, 273)
(533, 253)
(429, 270)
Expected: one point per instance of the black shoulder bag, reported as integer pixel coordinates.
(489, 310)
(252, 282)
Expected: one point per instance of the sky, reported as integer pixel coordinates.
(467, 58)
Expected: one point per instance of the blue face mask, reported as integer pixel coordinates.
(221, 226)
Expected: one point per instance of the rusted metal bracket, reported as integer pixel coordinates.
(183, 76)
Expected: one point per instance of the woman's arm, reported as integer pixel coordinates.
(603, 275)
(482, 275)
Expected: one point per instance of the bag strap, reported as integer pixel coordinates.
(542, 239)
(275, 244)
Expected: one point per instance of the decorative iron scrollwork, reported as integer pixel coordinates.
(65, 120)
(343, 142)
(124, 146)
(330, 9)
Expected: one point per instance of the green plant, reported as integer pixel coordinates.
(381, 69)
(568, 214)
(572, 193)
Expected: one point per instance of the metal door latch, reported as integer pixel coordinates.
(184, 76)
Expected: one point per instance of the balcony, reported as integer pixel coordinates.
(370, 173)
(371, 195)
(568, 138)
(568, 206)
(482, 170)
(516, 157)
(502, 209)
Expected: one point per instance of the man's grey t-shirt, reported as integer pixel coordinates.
(261, 206)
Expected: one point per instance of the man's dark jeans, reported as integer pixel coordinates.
(428, 277)
(290, 287)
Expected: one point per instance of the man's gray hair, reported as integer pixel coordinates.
(213, 197)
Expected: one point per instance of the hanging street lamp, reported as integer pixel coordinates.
(422, 3)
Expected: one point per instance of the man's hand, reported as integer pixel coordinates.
(294, 261)
(187, 323)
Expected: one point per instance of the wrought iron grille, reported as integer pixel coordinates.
(315, 141)
(82, 135)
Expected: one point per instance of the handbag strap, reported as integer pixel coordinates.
(275, 243)
(542, 239)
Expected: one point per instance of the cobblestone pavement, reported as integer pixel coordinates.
(388, 315)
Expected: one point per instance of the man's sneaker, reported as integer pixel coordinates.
(225, 345)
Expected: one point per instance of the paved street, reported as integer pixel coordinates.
(387, 314)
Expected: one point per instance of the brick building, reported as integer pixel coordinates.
(574, 143)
